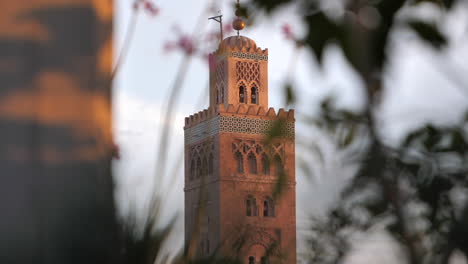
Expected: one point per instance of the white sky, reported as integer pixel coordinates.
(417, 92)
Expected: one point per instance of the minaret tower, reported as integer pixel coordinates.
(231, 173)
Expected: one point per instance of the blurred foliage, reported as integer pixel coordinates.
(410, 189)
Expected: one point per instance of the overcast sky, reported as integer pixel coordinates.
(418, 91)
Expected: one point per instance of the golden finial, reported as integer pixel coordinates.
(238, 24)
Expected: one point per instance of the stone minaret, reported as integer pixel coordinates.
(231, 173)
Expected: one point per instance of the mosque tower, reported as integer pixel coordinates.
(232, 174)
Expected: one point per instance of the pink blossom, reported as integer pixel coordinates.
(151, 8)
(287, 31)
(227, 28)
(186, 43)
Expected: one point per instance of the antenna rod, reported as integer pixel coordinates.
(219, 19)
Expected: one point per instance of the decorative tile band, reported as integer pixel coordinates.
(233, 124)
(201, 131)
(251, 56)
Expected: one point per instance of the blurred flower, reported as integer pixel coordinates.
(148, 6)
(289, 35)
(287, 31)
(227, 28)
(187, 44)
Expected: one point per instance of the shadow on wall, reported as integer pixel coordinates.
(56, 193)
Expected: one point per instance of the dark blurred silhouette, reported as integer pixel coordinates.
(56, 190)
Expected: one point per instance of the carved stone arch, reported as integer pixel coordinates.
(243, 94)
(254, 90)
(261, 237)
(252, 162)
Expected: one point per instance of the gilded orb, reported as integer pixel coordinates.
(238, 24)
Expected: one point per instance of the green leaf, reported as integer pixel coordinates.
(289, 94)
(321, 31)
(429, 33)
(270, 5)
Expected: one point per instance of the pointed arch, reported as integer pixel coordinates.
(252, 161)
(192, 170)
(242, 94)
(278, 165)
(205, 167)
(268, 207)
(265, 165)
(251, 208)
(210, 164)
(199, 168)
(222, 95)
(254, 95)
(240, 162)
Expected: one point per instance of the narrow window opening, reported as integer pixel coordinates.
(268, 207)
(210, 165)
(251, 206)
(192, 170)
(278, 166)
(222, 95)
(205, 167)
(240, 162)
(254, 95)
(241, 94)
(265, 165)
(264, 260)
(251, 260)
(199, 168)
(252, 163)
(217, 97)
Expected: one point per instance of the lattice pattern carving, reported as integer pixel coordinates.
(234, 124)
(220, 81)
(201, 160)
(255, 158)
(256, 147)
(248, 71)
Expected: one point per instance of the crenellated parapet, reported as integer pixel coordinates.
(252, 111)
(238, 119)
(240, 47)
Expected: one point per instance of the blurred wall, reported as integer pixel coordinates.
(56, 193)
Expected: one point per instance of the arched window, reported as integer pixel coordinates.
(278, 166)
(265, 165)
(252, 163)
(251, 260)
(251, 208)
(217, 97)
(241, 94)
(254, 95)
(240, 162)
(205, 167)
(199, 168)
(210, 165)
(192, 170)
(268, 207)
(264, 260)
(222, 95)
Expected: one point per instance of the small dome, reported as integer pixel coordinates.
(237, 42)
